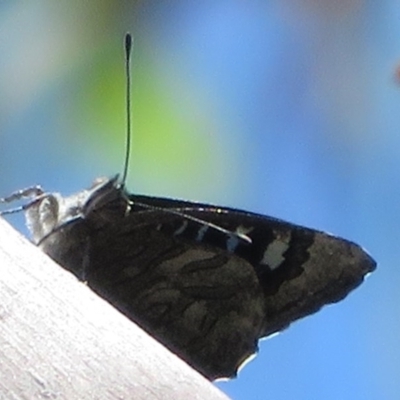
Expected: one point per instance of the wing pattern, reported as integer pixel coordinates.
(206, 281)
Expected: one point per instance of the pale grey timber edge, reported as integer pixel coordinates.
(59, 340)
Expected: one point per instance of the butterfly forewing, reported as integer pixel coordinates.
(299, 269)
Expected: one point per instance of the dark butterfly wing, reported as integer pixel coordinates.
(299, 269)
(206, 281)
(201, 301)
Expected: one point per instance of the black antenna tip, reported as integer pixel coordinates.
(128, 44)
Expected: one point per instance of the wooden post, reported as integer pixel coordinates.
(59, 340)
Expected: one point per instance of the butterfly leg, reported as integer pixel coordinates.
(33, 192)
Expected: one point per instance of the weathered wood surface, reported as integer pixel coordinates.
(59, 340)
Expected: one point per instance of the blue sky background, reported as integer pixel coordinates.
(289, 108)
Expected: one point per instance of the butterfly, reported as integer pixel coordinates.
(206, 281)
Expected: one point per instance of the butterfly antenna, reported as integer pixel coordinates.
(128, 48)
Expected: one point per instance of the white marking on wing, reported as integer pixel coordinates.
(273, 255)
(233, 240)
(242, 230)
(181, 229)
(232, 243)
(200, 234)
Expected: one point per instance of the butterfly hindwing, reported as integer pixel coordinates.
(203, 303)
